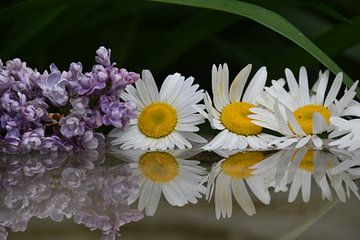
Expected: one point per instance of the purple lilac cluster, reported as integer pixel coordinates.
(61, 110)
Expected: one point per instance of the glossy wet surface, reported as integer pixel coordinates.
(305, 194)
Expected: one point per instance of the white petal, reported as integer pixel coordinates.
(237, 86)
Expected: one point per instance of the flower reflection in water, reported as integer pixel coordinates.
(228, 177)
(80, 186)
(95, 196)
(297, 168)
(166, 173)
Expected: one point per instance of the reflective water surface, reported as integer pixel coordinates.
(181, 194)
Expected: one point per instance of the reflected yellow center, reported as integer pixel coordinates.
(307, 163)
(235, 118)
(304, 116)
(238, 165)
(157, 120)
(159, 166)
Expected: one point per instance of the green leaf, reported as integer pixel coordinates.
(333, 42)
(269, 19)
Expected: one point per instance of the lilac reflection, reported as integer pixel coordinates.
(62, 186)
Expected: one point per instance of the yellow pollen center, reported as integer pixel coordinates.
(304, 116)
(235, 118)
(159, 166)
(238, 165)
(157, 120)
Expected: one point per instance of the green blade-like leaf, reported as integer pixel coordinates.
(269, 19)
(326, 41)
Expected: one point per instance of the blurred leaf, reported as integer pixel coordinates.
(170, 46)
(333, 42)
(326, 9)
(27, 26)
(269, 19)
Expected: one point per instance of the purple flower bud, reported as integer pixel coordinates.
(16, 64)
(12, 144)
(120, 79)
(93, 119)
(79, 105)
(12, 103)
(103, 56)
(87, 85)
(105, 101)
(129, 77)
(53, 87)
(34, 110)
(91, 141)
(5, 81)
(119, 114)
(9, 123)
(71, 126)
(74, 73)
(32, 140)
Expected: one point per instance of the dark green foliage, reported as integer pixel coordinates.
(167, 37)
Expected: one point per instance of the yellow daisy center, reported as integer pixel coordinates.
(157, 120)
(159, 166)
(238, 165)
(235, 118)
(304, 116)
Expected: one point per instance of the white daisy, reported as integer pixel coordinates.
(232, 107)
(300, 114)
(297, 168)
(349, 130)
(165, 119)
(164, 173)
(228, 177)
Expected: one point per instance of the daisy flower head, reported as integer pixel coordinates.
(232, 176)
(232, 107)
(164, 173)
(166, 119)
(297, 168)
(301, 114)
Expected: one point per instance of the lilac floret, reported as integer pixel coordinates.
(71, 126)
(120, 79)
(12, 144)
(119, 114)
(54, 88)
(32, 140)
(103, 56)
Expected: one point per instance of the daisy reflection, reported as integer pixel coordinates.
(165, 173)
(233, 176)
(293, 171)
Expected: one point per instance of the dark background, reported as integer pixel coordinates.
(169, 38)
